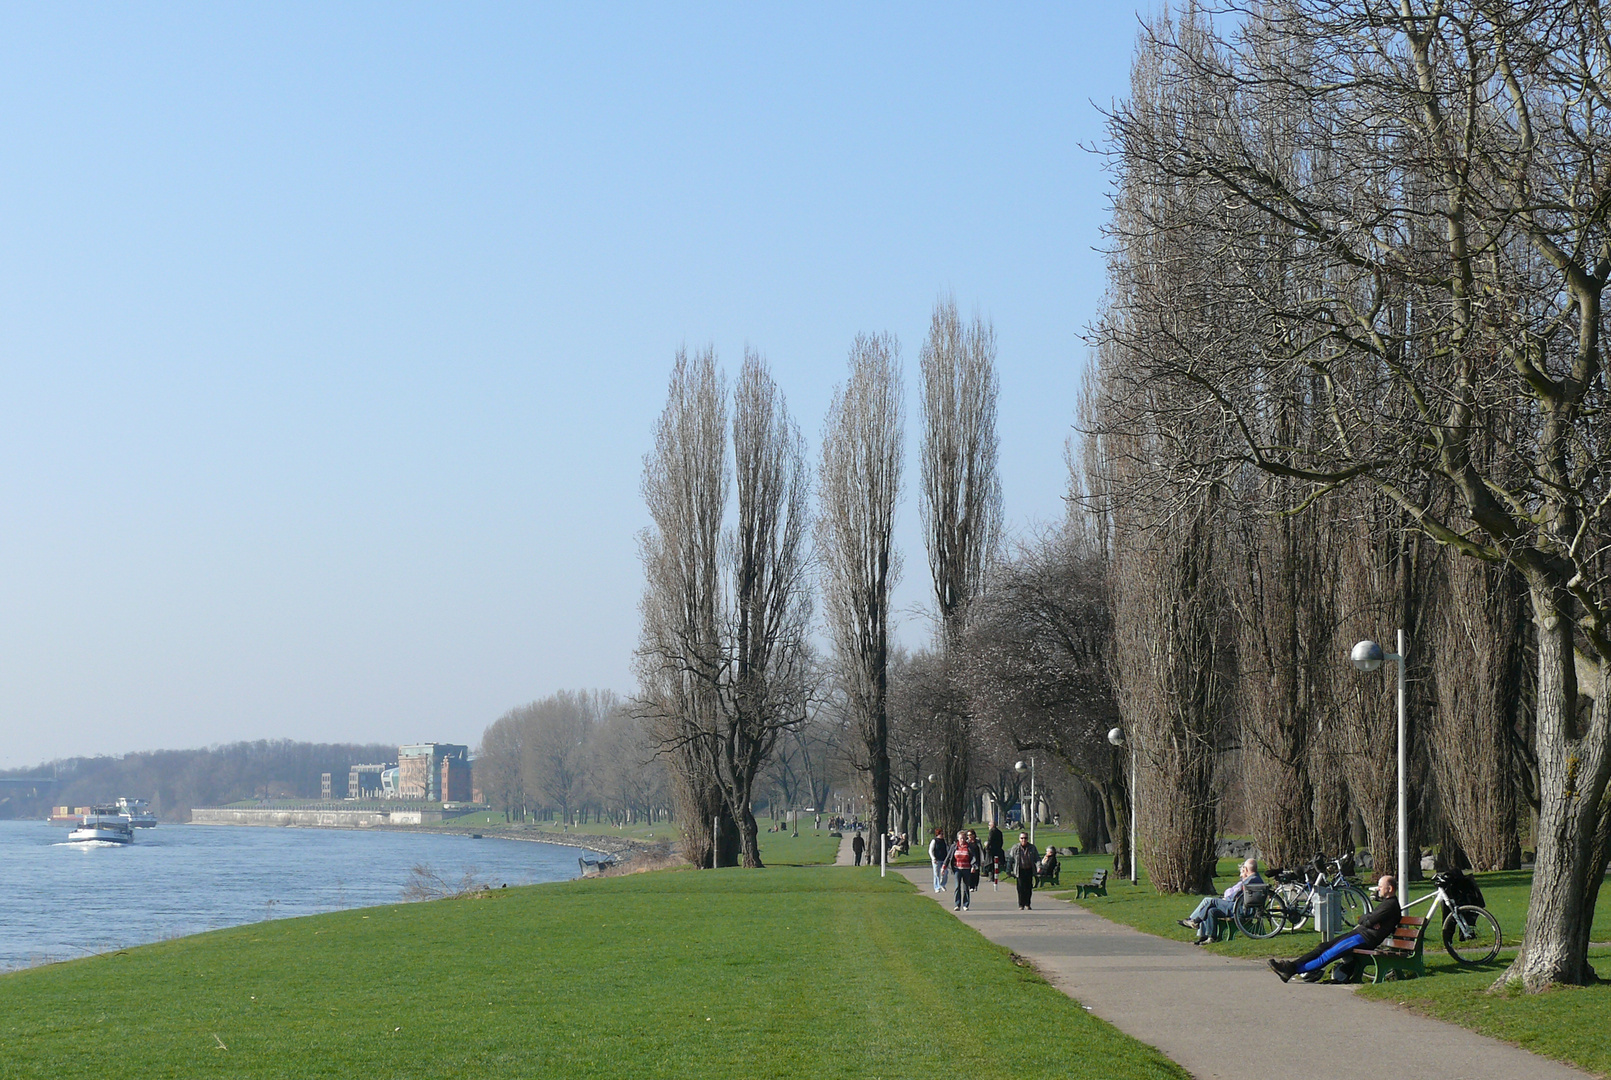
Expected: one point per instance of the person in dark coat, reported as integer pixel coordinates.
(1021, 861)
(993, 850)
(1370, 932)
(857, 846)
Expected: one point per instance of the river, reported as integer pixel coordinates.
(61, 900)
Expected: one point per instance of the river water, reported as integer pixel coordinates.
(61, 900)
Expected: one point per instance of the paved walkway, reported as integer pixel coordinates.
(1223, 1017)
(846, 856)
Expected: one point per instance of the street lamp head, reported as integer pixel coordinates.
(914, 785)
(1019, 767)
(1116, 736)
(1367, 656)
(931, 778)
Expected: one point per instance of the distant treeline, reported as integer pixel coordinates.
(176, 780)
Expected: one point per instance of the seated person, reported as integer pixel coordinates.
(1048, 865)
(1371, 931)
(1205, 920)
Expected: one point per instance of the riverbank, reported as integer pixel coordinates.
(726, 974)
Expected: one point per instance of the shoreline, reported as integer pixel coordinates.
(622, 848)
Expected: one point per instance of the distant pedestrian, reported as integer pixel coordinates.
(1021, 861)
(857, 846)
(937, 853)
(963, 861)
(978, 858)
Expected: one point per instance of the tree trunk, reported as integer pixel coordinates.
(1572, 767)
(951, 810)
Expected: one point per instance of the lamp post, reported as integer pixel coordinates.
(1033, 803)
(1368, 656)
(921, 810)
(1116, 737)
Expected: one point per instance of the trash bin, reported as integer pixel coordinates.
(1328, 913)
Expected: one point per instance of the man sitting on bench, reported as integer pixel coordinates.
(1213, 908)
(1371, 931)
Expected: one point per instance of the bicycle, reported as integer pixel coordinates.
(1471, 934)
(1297, 893)
(1262, 911)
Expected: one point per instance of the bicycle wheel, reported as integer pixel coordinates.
(1258, 921)
(1478, 941)
(1295, 903)
(1352, 904)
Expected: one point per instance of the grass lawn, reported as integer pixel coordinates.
(792, 972)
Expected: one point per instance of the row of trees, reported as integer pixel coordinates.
(1349, 378)
(725, 663)
(570, 755)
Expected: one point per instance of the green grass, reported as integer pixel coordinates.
(811, 847)
(816, 972)
(1569, 1023)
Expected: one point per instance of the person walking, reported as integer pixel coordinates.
(993, 851)
(1021, 862)
(937, 854)
(857, 846)
(963, 861)
(978, 852)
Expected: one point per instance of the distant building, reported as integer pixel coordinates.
(365, 781)
(424, 772)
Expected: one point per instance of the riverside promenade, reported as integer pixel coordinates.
(1222, 1018)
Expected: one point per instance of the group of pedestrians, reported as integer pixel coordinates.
(967, 860)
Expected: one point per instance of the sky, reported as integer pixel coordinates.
(333, 336)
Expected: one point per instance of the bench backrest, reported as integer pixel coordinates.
(1099, 877)
(1406, 935)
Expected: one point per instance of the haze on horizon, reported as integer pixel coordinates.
(334, 338)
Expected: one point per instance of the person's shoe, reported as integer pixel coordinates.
(1312, 976)
(1284, 968)
(956, 907)
(1190, 924)
(1203, 941)
(964, 907)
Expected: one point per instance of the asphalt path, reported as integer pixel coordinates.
(1225, 1018)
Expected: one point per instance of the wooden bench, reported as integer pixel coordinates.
(1400, 953)
(1097, 886)
(1053, 878)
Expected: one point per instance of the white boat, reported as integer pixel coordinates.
(103, 823)
(137, 812)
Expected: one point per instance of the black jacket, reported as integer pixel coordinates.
(1379, 925)
(938, 850)
(993, 842)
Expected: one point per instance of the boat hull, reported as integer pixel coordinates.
(104, 833)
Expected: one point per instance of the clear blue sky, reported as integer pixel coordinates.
(333, 336)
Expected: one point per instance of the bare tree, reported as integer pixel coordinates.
(961, 501)
(1446, 232)
(724, 662)
(680, 655)
(860, 483)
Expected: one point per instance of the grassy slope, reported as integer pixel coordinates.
(811, 847)
(780, 973)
